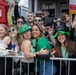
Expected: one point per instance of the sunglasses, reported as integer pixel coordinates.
(20, 22)
(37, 20)
(11, 30)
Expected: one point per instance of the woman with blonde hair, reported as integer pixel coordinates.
(7, 44)
(26, 46)
(3, 37)
(42, 48)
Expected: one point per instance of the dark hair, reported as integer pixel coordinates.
(22, 19)
(62, 18)
(67, 13)
(38, 16)
(69, 44)
(14, 20)
(47, 10)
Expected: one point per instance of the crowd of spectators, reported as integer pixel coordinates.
(35, 37)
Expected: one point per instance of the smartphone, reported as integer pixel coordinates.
(18, 1)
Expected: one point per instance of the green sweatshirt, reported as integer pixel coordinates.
(43, 43)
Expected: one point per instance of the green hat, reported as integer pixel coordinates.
(62, 32)
(24, 28)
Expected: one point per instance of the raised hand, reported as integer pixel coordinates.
(51, 30)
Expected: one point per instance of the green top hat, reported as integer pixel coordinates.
(24, 28)
(62, 32)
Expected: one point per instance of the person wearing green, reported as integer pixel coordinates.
(42, 48)
(9, 17)
(26, 47)
(43, 43)
(65, 48)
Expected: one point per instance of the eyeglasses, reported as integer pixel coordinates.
(11, 30)
(20, 22)
(37, 20)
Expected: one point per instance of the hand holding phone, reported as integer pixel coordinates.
(12, 53)
(53, 52)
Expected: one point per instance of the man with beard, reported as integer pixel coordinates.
(30, 18)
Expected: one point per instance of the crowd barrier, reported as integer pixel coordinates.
(51, 59)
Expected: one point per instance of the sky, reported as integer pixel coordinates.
(24, 3)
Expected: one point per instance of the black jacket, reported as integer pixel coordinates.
(65, 66)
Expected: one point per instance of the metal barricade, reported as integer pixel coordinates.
(67, 61)
(51, 59)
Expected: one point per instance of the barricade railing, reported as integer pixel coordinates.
(51, 59)
(67, 64)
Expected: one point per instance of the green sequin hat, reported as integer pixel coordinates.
(24, 28)
(62, 32)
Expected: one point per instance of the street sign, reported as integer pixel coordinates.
(72, 7)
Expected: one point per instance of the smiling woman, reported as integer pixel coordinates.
(65, 48)
(26, 47)
(43, 47)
